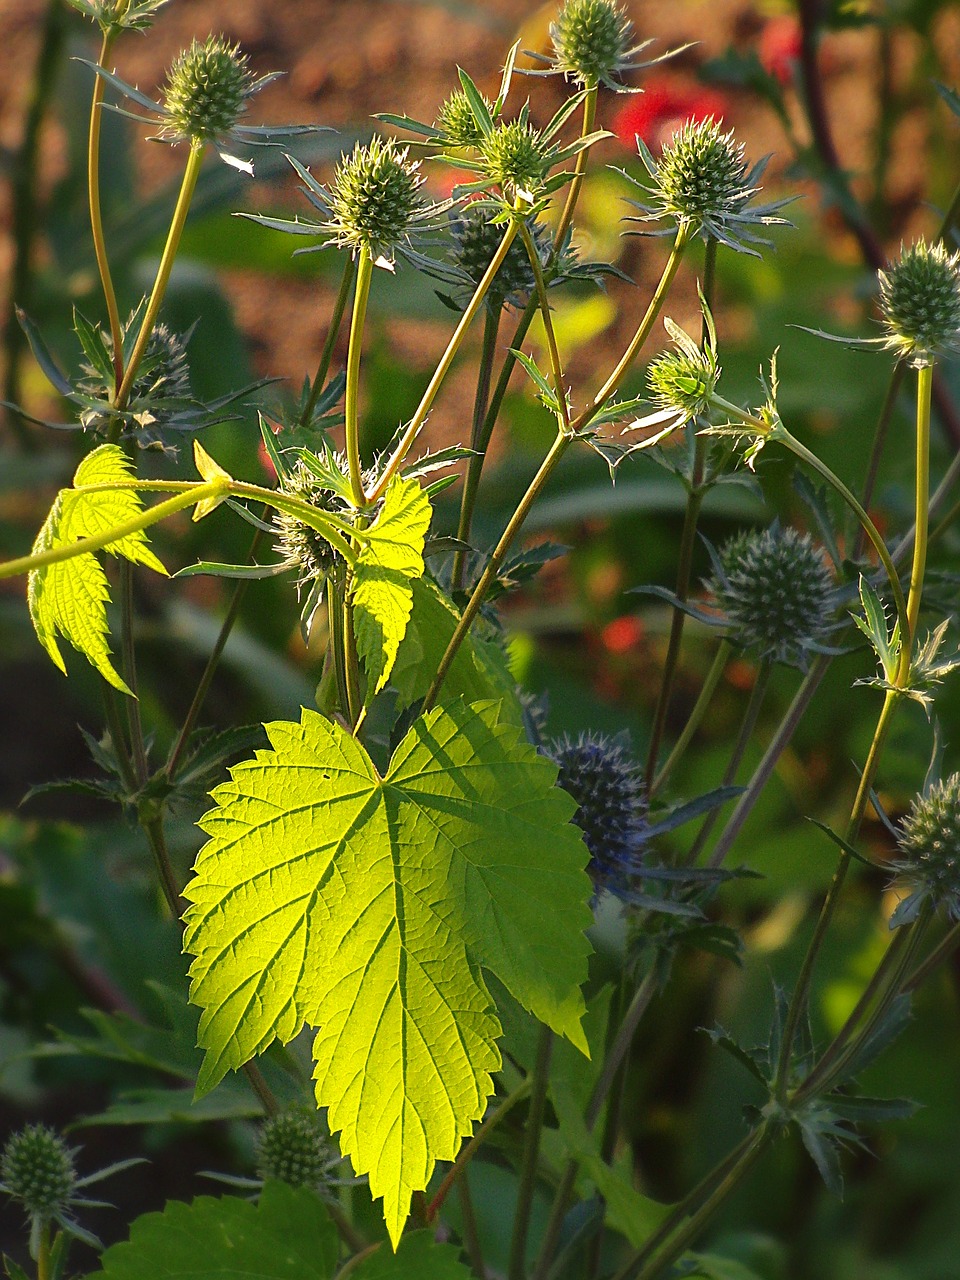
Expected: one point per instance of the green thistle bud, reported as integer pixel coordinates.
(301, 546)
(591, 41)
(375, 197)
(920, 302)
(292, 1148)
(683, 380)
(207, 88)
(476, 239)
(776, 592)
(37, 1169)
(929, 844)
(513, 157)
(701, 172)
(457, 123)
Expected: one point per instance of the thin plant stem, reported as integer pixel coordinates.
(471, 1233)
(134, 719)
(353, 1264)
(876, 449)
(747, 726)
(187, 188)
(516, 1268)
(950, 477)
(352, 396)
(922, 516)
(153, 829)
(354, 706)
(544, 302)
(446, 360)
(579, 170)
(348, 1233)
(679, 1231)
(117, 736)
(778, 743)
(551, 1234)
(694, 720)
(96, 212)
(638, 340)
(941, 952)
(326, 355)
(24, 219)
(44, 1271)
(470, 1149)
(471, 482)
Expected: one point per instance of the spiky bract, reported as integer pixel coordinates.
(591, 41)
(374, 197)
(606, 784)
(776, 592)
(207, 89)
(514, 157)
(920, 302)
(302, 547)
(457, 123)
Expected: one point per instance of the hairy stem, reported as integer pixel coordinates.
(556, 368)
(96, 213)
(352, 396)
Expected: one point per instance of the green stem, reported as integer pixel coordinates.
(118, 737)
(551, 337)
(680, 1230)
(694, 720)
(352, 396)
(941, 952)
(335, 622)
(153, 830)
(470, 1149)
(879, 441)
(471, 482)
(44, 1271)
(354, 701)
(96, 213)
(747, 726)
(784, 734)
(642, 334)
(921, 519)
(471, 1232)
(134, 719)
(558, 1212)
(547, 467)
(187, 188)
(446, 360)
(579, 170)
(326, 355)
(516, 1269)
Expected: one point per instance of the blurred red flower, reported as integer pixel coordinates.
(623, 634)
(658, 112)
(779, 47)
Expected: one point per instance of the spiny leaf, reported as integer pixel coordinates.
(391, 558)
(288, 1235)
(367, 906)
(70, 598)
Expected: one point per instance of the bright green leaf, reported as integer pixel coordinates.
(391, 558)
(286, 1236)
(367, 907)
(70, 598)
(419, 1257)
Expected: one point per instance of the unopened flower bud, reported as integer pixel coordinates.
(591, 40)
(207, 88)
(37, 1169)
(920, 301)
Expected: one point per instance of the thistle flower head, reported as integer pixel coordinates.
(929, 845)
(37, 1169)
(456, 121)
(701, 183)
(514, 157)
(207, 90)
(591, 41)
(476, 238)
(374, 198)
(292, 1148)
(606, 784)
(114, 16)
(920, 302)
(685, 378)
(303, 549)
(776, 593)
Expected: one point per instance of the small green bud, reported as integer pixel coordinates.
(301, 546)
(929, 844)
(701, 173)
(920, 301)
(292, 1148)
(374, 197)
(683, 380)
(37, 1169)
(591, 41)
(513, 157)
(776, 592)
(457, 123)
(207, 89)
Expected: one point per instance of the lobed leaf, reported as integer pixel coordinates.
(367, 906)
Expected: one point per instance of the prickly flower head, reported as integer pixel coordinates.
(513, 157)
(207, 90)
(476, 239)
(302, 547)
(114, 16)
(591, 41)
(685, 378)
(374, 197)
(920, 302)
(37, 1169)
(929, 845)
(607, 787)
(457, 123)
(292, 1148)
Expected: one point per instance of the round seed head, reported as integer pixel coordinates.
(683, 380)
(292, 1148)
(374, 196)
(929, 845)
(456, 121)
(207, 88)
(776, 592)
(476, 239)
(597, 772)
(701, 173)
(37, 1169)
(513, 156)
(920, 301)
(302, 547)
(591, 40)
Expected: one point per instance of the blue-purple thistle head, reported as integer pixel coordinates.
(606, 784)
